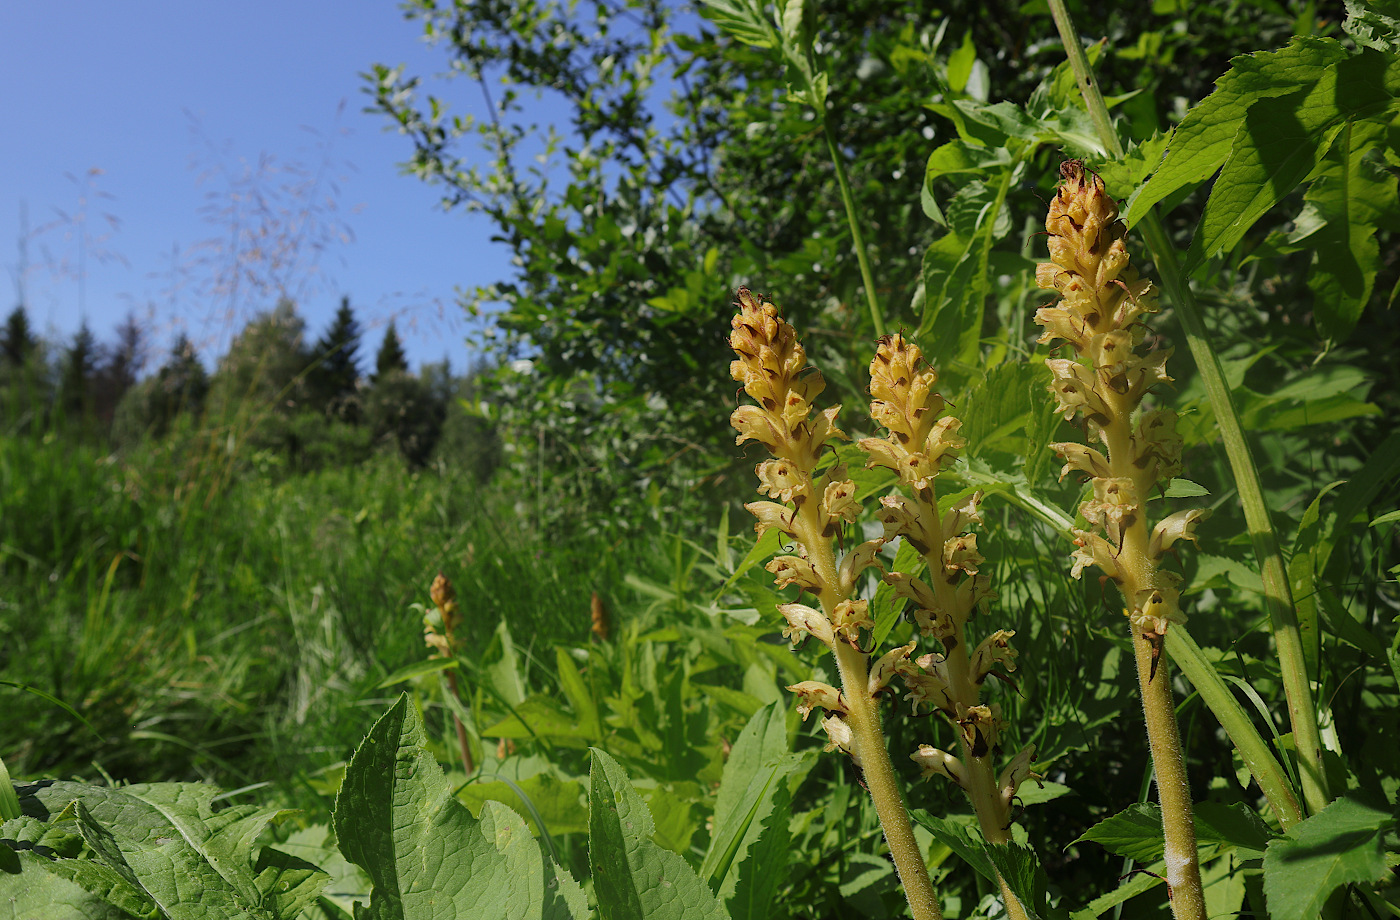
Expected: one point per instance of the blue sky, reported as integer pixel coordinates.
(146, 110)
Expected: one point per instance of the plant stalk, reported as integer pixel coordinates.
(878, 770)
(871, 752)
(1173, 790)
(867, 276)
(468, 766)
(1283, 618)
(1254, 750)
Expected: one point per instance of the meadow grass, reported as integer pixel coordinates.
(231, 626)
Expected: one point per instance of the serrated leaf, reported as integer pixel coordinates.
(1204, 139)
(417, 669)
(165, 838)
(36, 890)
(634, 878)
(741, 21)
(1374, 24)
(1342, 844)
(427, 857)
(748, 852)
(541, 716)
(1136, 831)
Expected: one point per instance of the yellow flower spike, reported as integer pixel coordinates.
(772, 367)
(1102, 303)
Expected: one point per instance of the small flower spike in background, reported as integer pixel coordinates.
(1102, 383)
(812, 511)
(439, 634)
(920, 441)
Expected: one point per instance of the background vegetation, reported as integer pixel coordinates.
(216, 563)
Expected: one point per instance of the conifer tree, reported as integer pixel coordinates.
(334, 378)
(18, 342)
(391, 357)
(78, 372)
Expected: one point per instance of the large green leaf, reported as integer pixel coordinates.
(634, 878)
(1136, 831)
(1339, 845)
(166, 840)
(428, 858)
(1206, 135)
(749, 852)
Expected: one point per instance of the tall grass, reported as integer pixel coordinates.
(220, 624)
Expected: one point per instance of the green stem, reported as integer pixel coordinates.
(877, 316)
(863, 717)
(1283, 617)
(1254, 750)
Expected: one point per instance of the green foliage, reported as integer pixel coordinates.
(1342, 844)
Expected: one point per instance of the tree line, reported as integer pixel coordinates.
(289, 401)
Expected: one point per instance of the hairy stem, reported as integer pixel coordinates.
(1283, 617)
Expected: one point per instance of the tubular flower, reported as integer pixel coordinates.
(1102, 303)
(440, 623)
(814, 511)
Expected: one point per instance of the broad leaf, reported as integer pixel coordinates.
(1206, 135)
(1342, 844)
(749, 853)
(426, 855)
(634, 878)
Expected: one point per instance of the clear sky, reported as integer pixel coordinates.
(147, 112)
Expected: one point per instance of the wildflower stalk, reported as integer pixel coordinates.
(1283, 617)
(812, 510)
(1102, 305)
(439, 634)
(920, 441)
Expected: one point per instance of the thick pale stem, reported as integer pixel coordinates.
(878, 770)
(1173, 790)
(868, 735)
(993, 815)
(1283, 617)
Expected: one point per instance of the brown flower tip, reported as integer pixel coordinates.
(602, 623)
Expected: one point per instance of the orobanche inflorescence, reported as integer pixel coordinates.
(1102, 382)
(814, 509)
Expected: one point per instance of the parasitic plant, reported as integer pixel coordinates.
(813, 510)
(1102, 384)
(920, 441)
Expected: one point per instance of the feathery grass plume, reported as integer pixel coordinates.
(813, 511)
(920, 441)
(1100, 315)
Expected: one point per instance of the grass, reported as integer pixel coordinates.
(231, 627)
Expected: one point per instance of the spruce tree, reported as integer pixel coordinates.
(78, 371)
(335, 376)
(18, 341)
(391, 358)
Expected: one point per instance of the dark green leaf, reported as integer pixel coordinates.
(634, 878)
(1339, 845)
